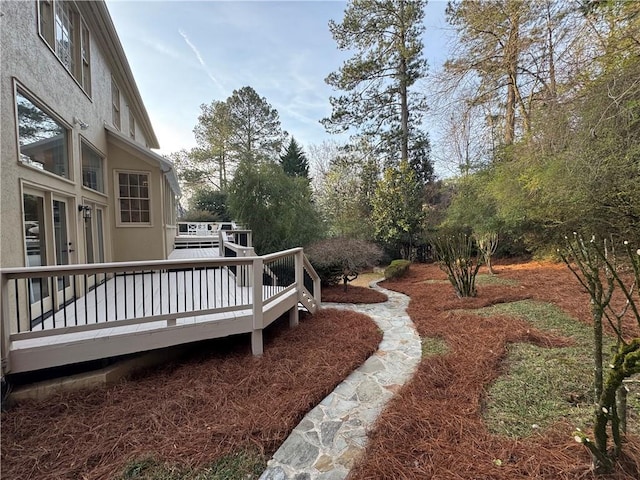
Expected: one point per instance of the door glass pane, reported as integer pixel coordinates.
(88, 237)
(61, 236)
(100, 232)
(34, 234)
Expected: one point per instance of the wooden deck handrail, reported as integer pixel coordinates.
(148, 296)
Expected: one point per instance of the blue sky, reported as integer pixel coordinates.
(186, 53)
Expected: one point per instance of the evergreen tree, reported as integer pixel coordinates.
(294, 162)
(388, 61)
(256, 134)
(397, 208)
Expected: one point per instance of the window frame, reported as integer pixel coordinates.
(68, 138)
(116, 102)
(84, 143)
(118, 198)
(78, 63)
(132, 125)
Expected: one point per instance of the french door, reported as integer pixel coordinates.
(63, 247)
(48, 241)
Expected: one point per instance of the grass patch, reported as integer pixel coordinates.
(487, 279)
(239, 466)
(541, 385)
(433, 346)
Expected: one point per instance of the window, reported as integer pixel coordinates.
(115, 104)
(61, 26)
(132, 125)
(133, 196)
(92, 170)
(42, 139)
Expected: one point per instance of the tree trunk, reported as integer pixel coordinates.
(511, 64)
(404, 102)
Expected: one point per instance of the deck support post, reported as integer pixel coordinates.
(256, 335)
(257, 348)
(293, 317)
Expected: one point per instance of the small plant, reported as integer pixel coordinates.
(487, 244)
(340, 260)
(397, 269)
(457, 257)
(597, 267)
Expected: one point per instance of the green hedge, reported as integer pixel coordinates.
(397, 269)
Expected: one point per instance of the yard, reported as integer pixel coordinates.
(505, 379)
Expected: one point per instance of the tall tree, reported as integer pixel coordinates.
(515, 54)
(388, 61)
(294, 162)
(256, 134)
(213, 133)
(398, 208)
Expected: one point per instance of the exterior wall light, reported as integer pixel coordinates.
(86, 211)
(83, 125)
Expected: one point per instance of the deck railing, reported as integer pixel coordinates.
(56, 300)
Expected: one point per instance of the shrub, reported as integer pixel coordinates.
(460, 260)
(341, 259)
(397, 269)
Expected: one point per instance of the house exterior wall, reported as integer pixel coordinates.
(138, 242)
(29, 65)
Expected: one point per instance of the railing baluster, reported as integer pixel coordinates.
(64, 302)
(15, 287)
(41, 305)
(75, 304)
(95, 296)
(153, 274)
(135, 300)
(86, 291)
(184, 288)
(126, 297)
(115, 294)
(169, 291)
(144, 310)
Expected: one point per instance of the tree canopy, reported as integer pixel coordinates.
(379, 81)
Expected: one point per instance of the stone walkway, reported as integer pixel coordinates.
(327, 442)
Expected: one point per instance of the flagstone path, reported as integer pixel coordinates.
(333, 435)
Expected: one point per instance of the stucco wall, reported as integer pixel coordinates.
(137, 242)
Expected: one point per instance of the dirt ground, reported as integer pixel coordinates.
(221, 400)
(434, 429)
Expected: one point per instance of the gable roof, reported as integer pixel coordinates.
(139, 151)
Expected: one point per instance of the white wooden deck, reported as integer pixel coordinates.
(191, 253)
(156, 307)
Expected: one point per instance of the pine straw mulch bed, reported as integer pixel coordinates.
(219, 401)
(434, 428)
(353, 294)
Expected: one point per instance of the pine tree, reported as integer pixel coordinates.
(294, 162)
(385, 34)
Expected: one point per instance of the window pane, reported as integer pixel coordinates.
(43, 141)
(92, 169)
(134, 194)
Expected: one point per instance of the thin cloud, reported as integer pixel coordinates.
(203, 64)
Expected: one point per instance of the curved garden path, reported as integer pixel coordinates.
(333, 435)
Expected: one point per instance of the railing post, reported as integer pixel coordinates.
(299, 269)
(5, 327)
(256, 335)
